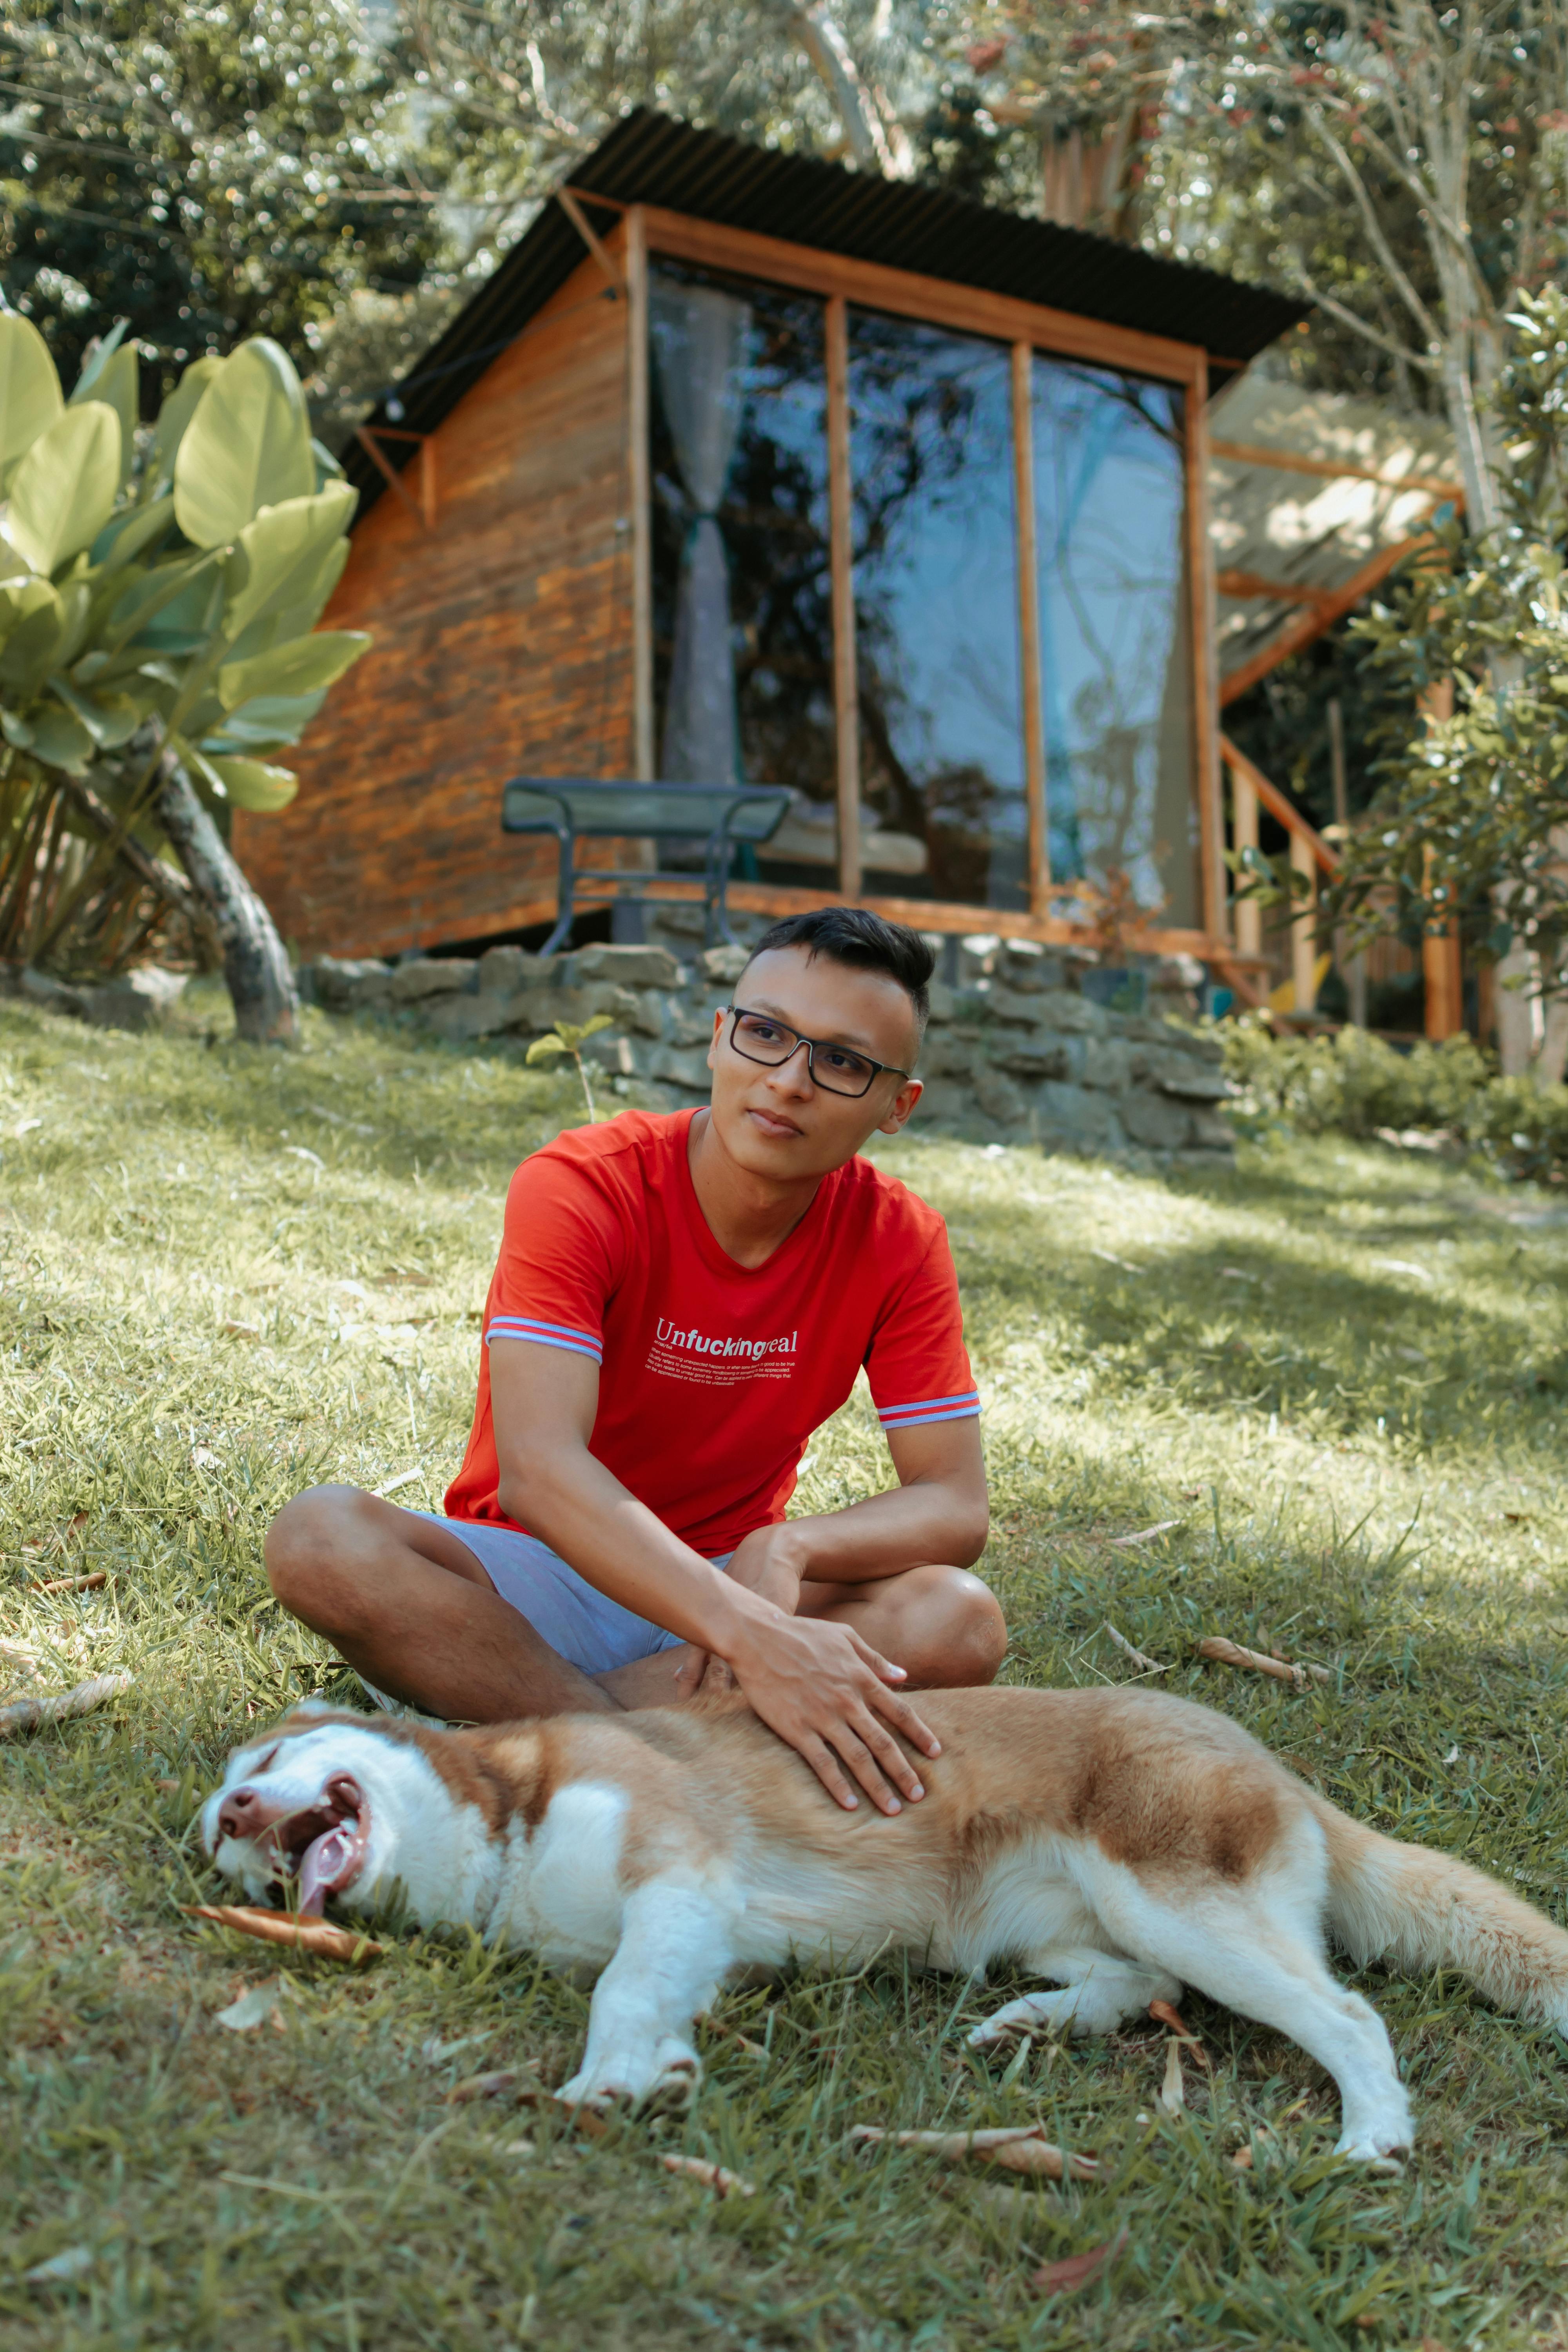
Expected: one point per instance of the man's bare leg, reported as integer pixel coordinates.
(410, 1607)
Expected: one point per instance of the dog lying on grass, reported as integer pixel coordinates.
(1117, 1845)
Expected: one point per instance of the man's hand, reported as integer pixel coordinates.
(827, 1692)
(763, 1563)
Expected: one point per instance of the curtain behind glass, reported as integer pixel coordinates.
(698, 336)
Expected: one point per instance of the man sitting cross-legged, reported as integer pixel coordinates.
(680, 1302)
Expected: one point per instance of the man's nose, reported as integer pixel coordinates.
(794, 1071)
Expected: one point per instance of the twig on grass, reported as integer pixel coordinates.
(73, 1583)
(1232, 1654)
(29, 1714)
(1145, 1665)
(317, 1936)
(1174, 2090)
(1144, 1535)
(723, 2183)
(1015, 2147)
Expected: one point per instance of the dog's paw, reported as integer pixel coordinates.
(1380, 2145)
(657, 2079)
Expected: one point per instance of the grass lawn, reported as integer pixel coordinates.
(1333, 1382)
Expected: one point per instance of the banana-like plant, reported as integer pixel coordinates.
(159, 595)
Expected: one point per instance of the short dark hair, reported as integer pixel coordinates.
(853, 936)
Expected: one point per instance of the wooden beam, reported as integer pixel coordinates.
(910, 295)
(1027, 541)
(1442, 968)
(1275, 802)
(644, 754)
(1304, 928)
(1245, 584)
(367, 436)
(1208, 783)
(591, 238)
(1286, 461)
(841, 519)
(1246, 915)
(1322, 615)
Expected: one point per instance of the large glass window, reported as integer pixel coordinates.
(1115, 633)
(741, 576)
(936, 604)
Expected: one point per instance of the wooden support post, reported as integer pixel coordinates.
(1246, 913)
(1441, 968)
(841, 517)
(1026, 540)
(1304, 928)
(640, 490)
(1352, 968)
(1207, 782)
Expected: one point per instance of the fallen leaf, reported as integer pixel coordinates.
(166, 1788)
(74, 1583)
(712, 2176)
(1517, 1518)
(1140, 1658)
(1078, 2270)
(1233, 1653)
(262, 2005)
(1242, 2160)
(435, 2052)
(1172, 2090)
(1164, 2014)
(1453, 1755)
(1021, 2148)
(204, 1458)
(74, 2263)
(240, 1331)
(318, 1936)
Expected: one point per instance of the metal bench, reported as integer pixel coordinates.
(577, 807)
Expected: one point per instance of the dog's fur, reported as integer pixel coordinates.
(1116, 1844)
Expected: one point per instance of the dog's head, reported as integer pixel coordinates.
(328, 1801)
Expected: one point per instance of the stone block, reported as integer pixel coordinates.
(682, 1068)
(1025, 965)
(1210, 1133)
(428, 976)
(723, 963)
(503, 970)
(1002, 1103)
(460, 1019)
(946, 1099)
(538, 1009)
(346, 984)
(688, 1024)
(1108, 1063)
(642, 1009)
(52, 994)
(1014, 1005)
(137, 1000)
(1077, 1115)
(619, 1056)
(1037, 1055)
(956, 1054)
(627, 967)
(1154, 1120)
(944, 999)
(1193, 1085)
(1064, 1009)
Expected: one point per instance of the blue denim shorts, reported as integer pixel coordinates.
(581, 1624)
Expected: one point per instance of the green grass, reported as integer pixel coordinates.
(224, 1274)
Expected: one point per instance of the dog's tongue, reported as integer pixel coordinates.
(324, 1863)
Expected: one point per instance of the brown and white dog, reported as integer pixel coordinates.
(1118, 1844)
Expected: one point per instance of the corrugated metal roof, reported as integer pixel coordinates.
(650, 158)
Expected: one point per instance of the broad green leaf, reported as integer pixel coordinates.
(16, 729)
(110, 719)
(33, 621)
(29, 390)
(175, 601)
(303, 666)
(60, 740)
(277, 555)
(130, 534)
(113, 376)
(265, 724)
(248, 446)
(175, 415)
(544, 1049)
(64, 490)
(253, 784)
(105, 352)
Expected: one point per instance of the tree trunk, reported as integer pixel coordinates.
(266, 1002)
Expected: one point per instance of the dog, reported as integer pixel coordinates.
(1115, 1845)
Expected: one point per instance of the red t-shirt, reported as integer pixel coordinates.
(714, 1375)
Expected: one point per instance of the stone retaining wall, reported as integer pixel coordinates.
(1015, 1051)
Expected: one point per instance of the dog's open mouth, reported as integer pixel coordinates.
(324, 1848)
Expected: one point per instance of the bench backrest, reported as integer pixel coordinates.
(694, 812)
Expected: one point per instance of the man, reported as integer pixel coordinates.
(680, 1301)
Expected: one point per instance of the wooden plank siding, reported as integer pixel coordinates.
(503, 646)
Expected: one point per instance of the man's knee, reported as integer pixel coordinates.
(966, 1633)
(310, 1550)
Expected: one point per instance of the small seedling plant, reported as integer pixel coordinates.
(570, 1037)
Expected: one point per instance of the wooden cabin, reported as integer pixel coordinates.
(743, 466)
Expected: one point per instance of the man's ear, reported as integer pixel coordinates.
(901, 1107)
(718, 1019)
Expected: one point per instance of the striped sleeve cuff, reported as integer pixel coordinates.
(546, 1334)
(949, 1408)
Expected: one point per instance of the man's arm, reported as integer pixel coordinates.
(819, 1685)
(937, 1512)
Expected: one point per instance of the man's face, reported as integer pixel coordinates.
(778, 1121)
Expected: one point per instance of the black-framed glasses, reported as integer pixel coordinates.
(838, 1071)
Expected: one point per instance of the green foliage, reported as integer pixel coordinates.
(569, 1037)
(1464, 823)
(163, 598)
(1355, 1084)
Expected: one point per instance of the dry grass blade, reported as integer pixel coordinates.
(1163, 2014)
(501, 2082)
(1022, 2147)
(1144, 1535)
(712, 2176)
(317, 1936)
(1141, 1658)
(1172, 2090)
(1078, 2270)
(29, 1714)
(1233, 1653)
(93, 1583)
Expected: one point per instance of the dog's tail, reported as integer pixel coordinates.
(1423, 1910)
